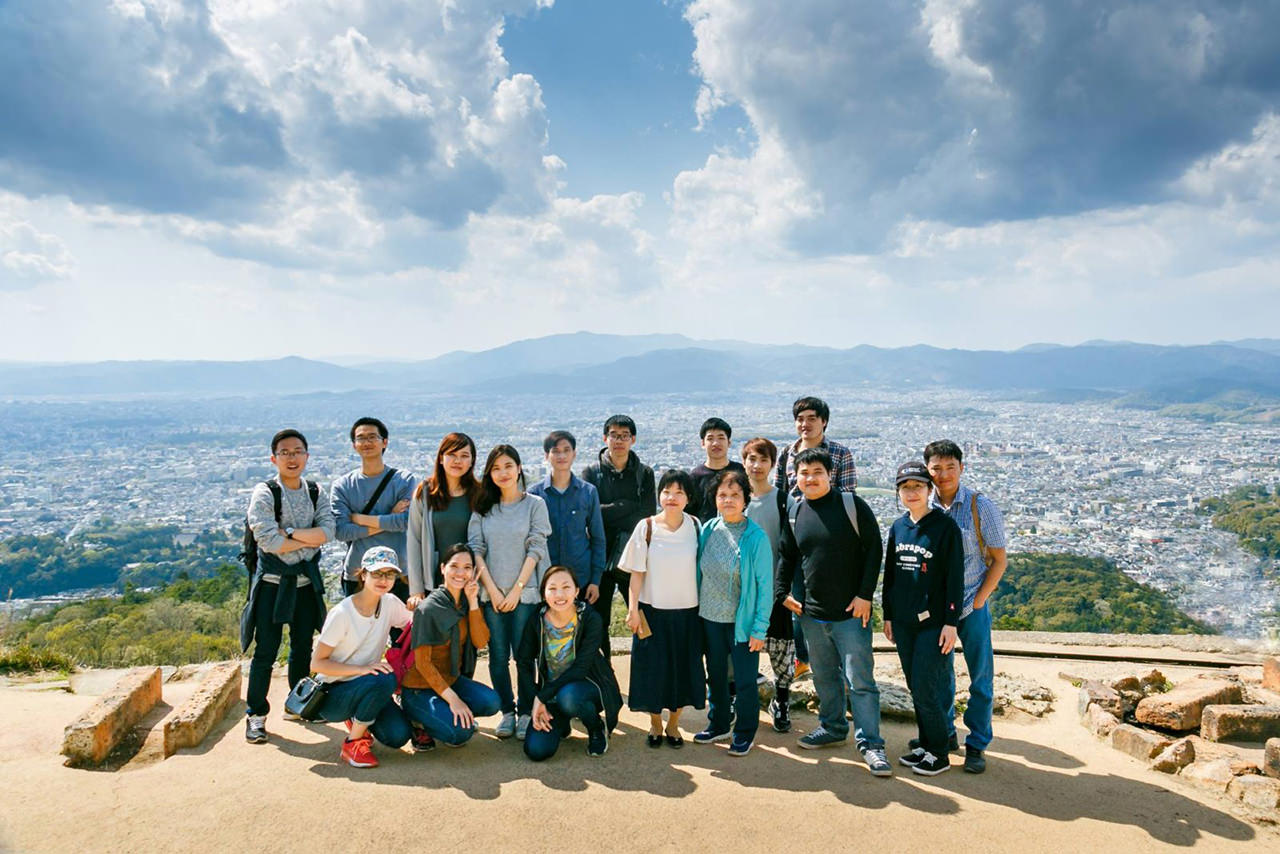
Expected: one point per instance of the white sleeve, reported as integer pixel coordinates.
(335, 628)
(400, 615)
(635, 556)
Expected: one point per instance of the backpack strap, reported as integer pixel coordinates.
(377, 493)
(851, 510)
(313, 489)
(277, 498)
(793, 507)
(648, 530)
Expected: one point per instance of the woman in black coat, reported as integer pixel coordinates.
(558, 660)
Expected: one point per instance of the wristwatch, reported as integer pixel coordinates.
(288, 532)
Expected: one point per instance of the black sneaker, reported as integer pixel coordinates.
(597, 741)
(422, 741)
(930, 765)
(781, 716)
(255, 729)
(913, 758)
(953, 744)
(740, 746)
(974, 760)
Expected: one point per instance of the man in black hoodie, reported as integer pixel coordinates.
(627, 495)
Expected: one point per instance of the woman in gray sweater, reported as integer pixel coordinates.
(508, 533)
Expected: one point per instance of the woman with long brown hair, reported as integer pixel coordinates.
(440, 511)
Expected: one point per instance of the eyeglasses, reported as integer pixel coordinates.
(289, 455)
(368, 440)
(617, 437)
(384, 574)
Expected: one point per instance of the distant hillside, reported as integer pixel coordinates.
(1252, 513)
(1070, 593)
(636, 364)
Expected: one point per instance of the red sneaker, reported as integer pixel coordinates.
(358, 752)
(422, 741)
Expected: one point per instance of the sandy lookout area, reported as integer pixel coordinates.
(1050, 786)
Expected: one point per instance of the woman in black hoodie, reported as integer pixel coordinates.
(559, 661)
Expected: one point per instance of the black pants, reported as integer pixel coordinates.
(267, 636)
(611, 580)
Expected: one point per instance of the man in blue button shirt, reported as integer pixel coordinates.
(577, 528)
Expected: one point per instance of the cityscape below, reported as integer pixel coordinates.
(1080, 478)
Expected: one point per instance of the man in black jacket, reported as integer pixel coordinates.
(627, 495)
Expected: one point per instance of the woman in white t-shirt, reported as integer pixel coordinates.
(349, 657)
(666, 666)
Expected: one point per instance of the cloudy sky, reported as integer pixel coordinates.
(257, 178)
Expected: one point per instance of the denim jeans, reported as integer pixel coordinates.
(721, 650)
(975, 640)
(505, 631)
(367, 700)
(578, 699)
(432, 712)
(797, 592)
(844, 677)
(926, 669)
(266, 645)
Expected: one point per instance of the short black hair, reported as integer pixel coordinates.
(728, 475)
(715, 424)
(624, 421)
(457, 549)
(554, 438)
(289, 433)
(813, 455)
(680, 478)
(943, 448)
(372, 422)
(817, 404)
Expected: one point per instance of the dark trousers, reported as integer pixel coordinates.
(367, 700)
(721, 650)
(613, 579)
(797, 631)
(267, 637)
(928, 674)
(431, 711)
(578, 699)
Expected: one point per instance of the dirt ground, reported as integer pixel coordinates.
(1050, 786)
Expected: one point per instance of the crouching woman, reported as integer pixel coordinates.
(558, 661)
(349, 658)
(438, 692)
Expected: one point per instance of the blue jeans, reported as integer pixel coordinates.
(927, 671)
(432, 712)
(578, 699)
(367, 700)
(975, 640)
(721, 650)
(505, 631)
(797, 592)
(844, 677)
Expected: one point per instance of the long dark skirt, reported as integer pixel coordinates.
(666, 667)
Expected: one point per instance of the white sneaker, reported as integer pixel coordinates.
(522, 726)
(507, 726)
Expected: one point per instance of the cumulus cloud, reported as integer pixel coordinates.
(975, 111)
(28, 255)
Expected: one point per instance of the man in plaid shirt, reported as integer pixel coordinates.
(811, 415)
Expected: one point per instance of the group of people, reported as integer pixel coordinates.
(775, 554)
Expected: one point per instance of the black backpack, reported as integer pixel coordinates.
(249, 555)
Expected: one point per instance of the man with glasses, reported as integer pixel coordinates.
(290, 520)
(371, 504)
(627, 495)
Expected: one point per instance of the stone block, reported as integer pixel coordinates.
(1175, 757)
(1240, 723)
(188, 724)
(1099, 693)
(1214, 774)
(1271, 673)
(90, 738)
(1181, 708)
(1099, 721)
(1271, 758)
(1254, 791)
(1153, 682)
(1137, 742)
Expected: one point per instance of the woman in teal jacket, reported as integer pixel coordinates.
(735, 598)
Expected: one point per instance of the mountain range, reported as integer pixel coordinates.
(597, 363)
